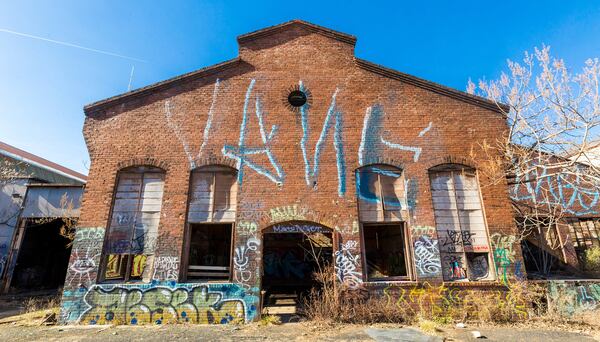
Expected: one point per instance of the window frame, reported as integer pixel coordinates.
(188, 246)
(408, 260)
(101, 276)
(456, 168)
(188, 225)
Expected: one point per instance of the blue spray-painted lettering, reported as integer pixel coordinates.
(312, 173)
(567, 190)
(241, 152)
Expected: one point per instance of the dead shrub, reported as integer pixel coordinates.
(32, 304)
(439, 304)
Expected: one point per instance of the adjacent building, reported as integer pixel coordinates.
(39, 202)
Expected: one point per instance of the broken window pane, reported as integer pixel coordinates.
(385, 250)
(210, 250)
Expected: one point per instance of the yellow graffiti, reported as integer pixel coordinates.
(445, 303)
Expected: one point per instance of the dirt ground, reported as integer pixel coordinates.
(288, 332)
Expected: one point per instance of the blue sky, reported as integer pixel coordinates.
(44, 85)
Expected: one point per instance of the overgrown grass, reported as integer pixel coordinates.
(439, 303)
(33, 304)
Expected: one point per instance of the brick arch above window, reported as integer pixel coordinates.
(214, 160)
(134, 162)
(379, 160)
(435, 163)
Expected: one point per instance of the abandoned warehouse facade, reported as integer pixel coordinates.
(211, 191)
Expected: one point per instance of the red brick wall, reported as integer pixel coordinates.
(137, 131)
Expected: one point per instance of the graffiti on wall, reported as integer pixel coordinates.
(427, 257)
(446, 302)
(347, 260)
(288, 213)
(333, 114)
(247, 228)
(209, 118)
(454, 266)
(504, 255)
(241, 260)
(251, 211)
(348, 229)
(298, 228)
(478, 267)
(570, 297)
(151, 304)
(242, 153)
(85, 257)
(451, 239)
(567, 190)
(166, 268)
(372, 139)
(177, 131)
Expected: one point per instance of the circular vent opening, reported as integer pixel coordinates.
(297, 98)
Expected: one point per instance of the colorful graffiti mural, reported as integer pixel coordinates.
(444, 302)
(504, 255)
(570, 298)
(153, 304)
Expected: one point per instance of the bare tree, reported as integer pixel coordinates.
(553, 117)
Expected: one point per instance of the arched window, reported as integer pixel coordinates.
(133, 228)
(211, 214)
(382, 205)
(460, 223)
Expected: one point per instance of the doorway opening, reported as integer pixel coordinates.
(292, 253)
(43, 257)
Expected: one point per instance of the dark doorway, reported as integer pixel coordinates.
(292, 253)
(43, 257)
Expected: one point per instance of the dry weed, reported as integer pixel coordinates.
(438, 304)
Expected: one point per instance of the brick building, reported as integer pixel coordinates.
(209, 188)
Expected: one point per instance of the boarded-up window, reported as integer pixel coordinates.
(459, 221)
(213, 195)
(381, 193)
(133, 229)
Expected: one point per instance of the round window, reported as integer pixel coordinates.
(297, 98)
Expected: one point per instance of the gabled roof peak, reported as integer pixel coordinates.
(343, 37)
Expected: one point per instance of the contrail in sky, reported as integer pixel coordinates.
(71, 45)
